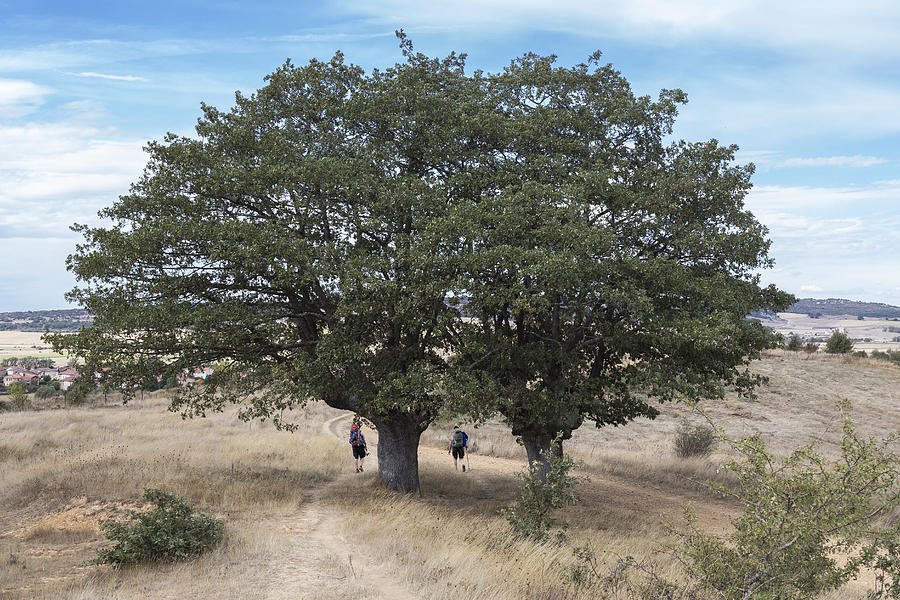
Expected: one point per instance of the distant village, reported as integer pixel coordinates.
(67, 375)
(64, 375)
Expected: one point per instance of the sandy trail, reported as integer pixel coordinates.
(611, 493)
(318, 561)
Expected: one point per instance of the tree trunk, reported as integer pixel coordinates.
(398, 442)
(398, 451)
(539, 447)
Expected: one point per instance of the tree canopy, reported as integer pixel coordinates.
(329, 236)
(607, 268)
(289, 243)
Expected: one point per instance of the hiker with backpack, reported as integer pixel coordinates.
(459, 441)
(358, 442)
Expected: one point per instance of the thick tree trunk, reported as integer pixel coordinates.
(398, 442)
(539, 447)
(398, 451)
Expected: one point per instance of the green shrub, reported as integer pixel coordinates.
(45, 391)
(811, 347)
(798, 514)
(17, 395)
(861, 354)
(170, 532)
(839, 343)
(879, 355)
(531, 515)
(694, 440)
(794, 344)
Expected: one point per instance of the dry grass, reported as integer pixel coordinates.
(114, 453)
(443, 553)
(443, 544)
(61, 471)
(25, 343)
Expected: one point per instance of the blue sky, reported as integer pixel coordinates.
(810, 91)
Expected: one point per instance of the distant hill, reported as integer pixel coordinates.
(38, 320)
(833, 307)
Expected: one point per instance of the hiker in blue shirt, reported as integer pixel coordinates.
(459, 441)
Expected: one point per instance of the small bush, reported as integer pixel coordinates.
(811, 348)
(17, 395)
(170, 532)
(45, 391)
(794, 343)
(694, 440)
(891, 355)
(861, 354)
(530, 516)
(839, 343)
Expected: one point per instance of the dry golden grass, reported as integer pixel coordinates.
(298, 529)
(61, 471)
(25, 343)
(451, 542)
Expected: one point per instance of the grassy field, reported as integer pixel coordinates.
(26, 343)
(302, 525)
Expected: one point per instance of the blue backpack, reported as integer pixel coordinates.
(357, 438)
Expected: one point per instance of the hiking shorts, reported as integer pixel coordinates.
(458, 451)
(359, 451)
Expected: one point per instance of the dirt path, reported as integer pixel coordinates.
(318, 560)
(615, 495)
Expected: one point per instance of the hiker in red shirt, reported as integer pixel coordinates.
(358, 442)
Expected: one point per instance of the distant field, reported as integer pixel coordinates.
(878, 330)
(25, 343)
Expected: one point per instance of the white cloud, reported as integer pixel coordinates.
(328, 37)
(837, 239)
(113, 77)
(775, 198)
(834, 161)
(66, 55)
(19, 97)
(774, 159)
(834, 26)
(54, 174)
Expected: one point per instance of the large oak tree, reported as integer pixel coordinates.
(290, 244)
(610, 267)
